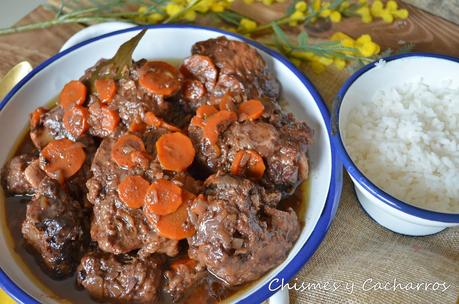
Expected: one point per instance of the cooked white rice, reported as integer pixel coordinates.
(406, 141)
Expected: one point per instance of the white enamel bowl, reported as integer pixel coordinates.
(174, 42)
(385, 209)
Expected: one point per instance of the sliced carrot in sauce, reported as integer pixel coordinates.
(62, 158)
(176, 226)
(105, 89)
(103, 117)
(226, 103)
(123, 147)
(175, 151)
(152, 120)
(253, 108)
(132, 191)
(73, 93)
(75, 121)
(137, 126)
(163, 197)
(211, 131)
(159, 78)
(205, 111)
(36, 116)
(248, 162)
(141, 159)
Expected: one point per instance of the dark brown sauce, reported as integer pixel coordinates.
(209, 290)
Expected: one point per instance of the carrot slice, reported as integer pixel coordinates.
(62, 158)
(103, 117)
(73, 93)
(211, 131)
(36, 116)
(123, 147)
(105, 89)
(176, 225)
(205, 111)
(226, 103)
(253, 108)
(159, 78)
(175, 151)
(137, 126)
(75, 121)
(163, 197)
(190, 263)
(132, 191)
(249, 161)
(152, 120)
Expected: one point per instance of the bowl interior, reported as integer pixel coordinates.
(432, 69)
(167, 44)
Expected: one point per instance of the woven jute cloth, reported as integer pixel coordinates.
(360, 261)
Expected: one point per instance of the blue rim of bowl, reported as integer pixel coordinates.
(336, 180)
(352, 168)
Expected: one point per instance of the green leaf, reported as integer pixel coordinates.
(303, 39)
(291, 8)
(121, 61)
(280, 34)
(230, 17)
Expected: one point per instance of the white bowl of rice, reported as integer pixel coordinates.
(396, 128)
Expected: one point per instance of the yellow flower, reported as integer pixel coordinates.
(173, 9)
(155, 18)
(386, 16)
(217, 7)
(400, 14)
(377, 7)
(391, 5)
(203, 6)
(317, 67)
(142, 10)
(190, 16)
(303, 55)
(325, 13)
(316, 5)
(267, 2)
(339, 36)
(297, 16)
(339, 63)
(295, 61)
(324, 60)
(365, 38)
(249, 1)
(345, 4)
(365, 14)
(335, 17)
(301, 6)
(247, 24)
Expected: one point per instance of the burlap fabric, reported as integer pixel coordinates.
(359, 258)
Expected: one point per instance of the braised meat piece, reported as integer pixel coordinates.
(281, 144)
(239, 236)
(242, 71)
(120, 279)
(54, 228)
(182, 276)
(21, 175)
(47, 127)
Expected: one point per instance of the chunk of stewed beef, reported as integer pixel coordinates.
(239, 236)
(181, 276)
(120, 279)
(242, 72)
(14, 175)
(54, 228)
(282, 145)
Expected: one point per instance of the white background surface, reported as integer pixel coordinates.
(13, 10)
